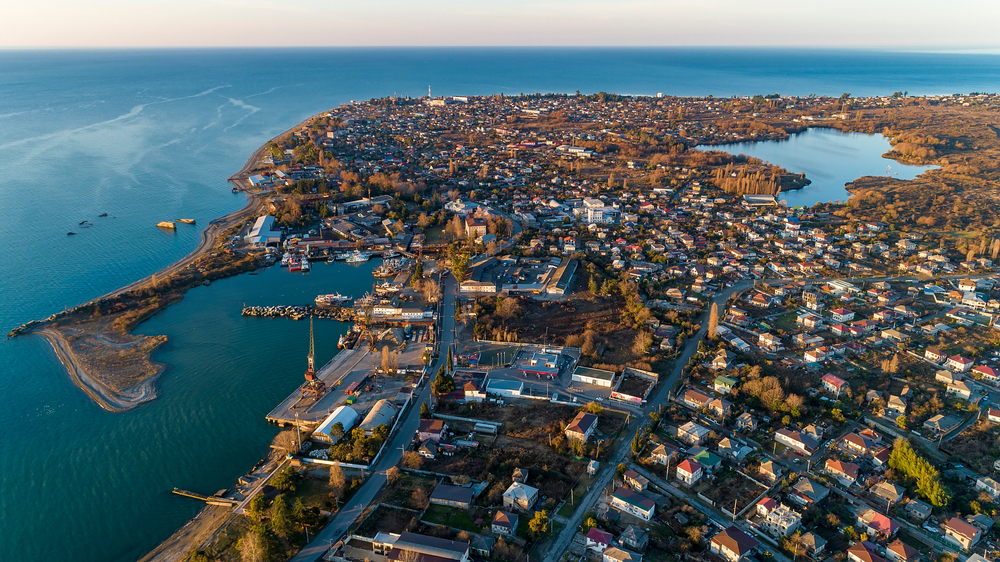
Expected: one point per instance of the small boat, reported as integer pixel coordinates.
(83, 222)
(186, 221)
(103, 215)
(70, 233)
(389, 254)
(304, 264)
(294, 264)
(334, 299)
(285, 259)
(166, 224)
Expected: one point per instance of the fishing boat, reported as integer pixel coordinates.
(389, 268)
(304, 264)
(358, 257)
(294, 264)
(285, 259)
(389, 254)
(334, 299)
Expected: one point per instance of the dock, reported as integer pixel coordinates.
(217, 499)
(350, 365)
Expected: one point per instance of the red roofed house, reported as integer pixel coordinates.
(958, 364)
(961, 533)
(988, 374)
(833, 383)
(845, 472)
(993, 415)
(598, 540)
(933, 354)
(689, 471)
(765, 506)
(733, 544)
(432, 429)
(841, 315)
(877, 526)
(898, 551)
(863, 552)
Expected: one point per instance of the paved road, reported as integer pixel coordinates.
(371, 488)
(604, 478)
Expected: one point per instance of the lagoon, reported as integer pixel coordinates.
(829, 158)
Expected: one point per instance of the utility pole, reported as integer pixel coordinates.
(298, 430)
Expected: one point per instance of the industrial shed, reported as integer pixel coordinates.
(383, 413)
(345, 415)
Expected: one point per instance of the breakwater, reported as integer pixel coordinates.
(300, 312)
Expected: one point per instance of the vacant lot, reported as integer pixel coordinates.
(401, 492)
(978, 446)
(452, 517)
(730, 486)
(388, 519)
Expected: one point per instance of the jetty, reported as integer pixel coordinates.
(217, 499)
(300, 312)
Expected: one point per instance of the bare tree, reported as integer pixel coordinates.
(337, 481)
(713, 321)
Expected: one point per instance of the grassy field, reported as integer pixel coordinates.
(451, 517)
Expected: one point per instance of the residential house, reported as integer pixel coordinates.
(887, 493)
(432, 429)
(876, 525)
(581, 427)
(689, 471)
(834, 384)
(615, 554)
(520, 496)
(934, 355)
(634, 538)
(411, 546)
(807, 492)
(958, 364)
(796, 440)
(782, 521)
(452, 496)
(916, 509)
(813, 543)
(724, 360)
(733, 544)
(636, 481)
(898, 551)
(696, 399)
(765, 506)
(598, 540)
(505, 523)
(841, 315)
(986, 374)
(663, 454)
(692, 433)
(845, 472)
(633, 503)
(863, 552)
(993, 415)
(746, 422)
(719, 408)
(960, 389)
(857, 444)
(769, 471)
(962, 534)
(724, 384)
(520, 475)
(988, 485)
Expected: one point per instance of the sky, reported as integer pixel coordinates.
(891, 24)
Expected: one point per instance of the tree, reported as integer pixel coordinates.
(593, 408)
(284, 480)
(392, 475)
(459, 265)
(443, 384)
(337, 482)
(418, 273)
(539, 524)
(255, 545)
(412, 459)
(430, 290)
(423, 221)
(643, 340)
(901, 421)
(337, 431)
(713, 322)
(425, 412)
(281, 516)
(257, 507)
(419, 498)
(907, 462)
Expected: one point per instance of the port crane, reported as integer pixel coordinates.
(313, 386)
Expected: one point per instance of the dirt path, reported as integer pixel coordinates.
(193, 533)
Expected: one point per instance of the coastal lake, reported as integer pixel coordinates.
(829, 158)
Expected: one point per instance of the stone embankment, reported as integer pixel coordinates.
(300, 312)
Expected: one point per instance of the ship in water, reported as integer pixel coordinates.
(304, 264)
(294, 264)
(358, 257)
(285, 259)
(336, 299)
(389, 268)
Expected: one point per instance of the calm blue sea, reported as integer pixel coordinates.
(152, 135)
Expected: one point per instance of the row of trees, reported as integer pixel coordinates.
(907, 463)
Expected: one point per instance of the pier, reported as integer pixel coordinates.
(217, 499)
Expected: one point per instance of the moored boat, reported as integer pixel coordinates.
(333, 299)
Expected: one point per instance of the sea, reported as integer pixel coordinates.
(152, 135)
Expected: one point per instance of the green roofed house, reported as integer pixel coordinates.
(724, 384)
(597, 377)
(705, 458)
